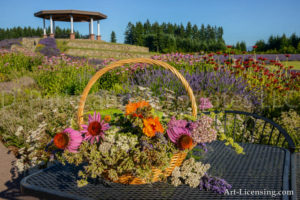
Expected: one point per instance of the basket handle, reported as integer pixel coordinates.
(128, 61)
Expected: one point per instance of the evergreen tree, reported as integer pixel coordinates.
(139, 34)
(195, 32)
(188, 30)
(147, 27)
(113, 37)
(129, 34)
(243, 46)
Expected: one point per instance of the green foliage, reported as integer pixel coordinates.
(173, 38)
(113, 38)
(17, 32)
(66, 80)
(290, 121)
(104, 112)
(279, 44)
(14, 65)
(62, 45)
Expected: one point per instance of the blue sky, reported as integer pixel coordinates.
(242, 20)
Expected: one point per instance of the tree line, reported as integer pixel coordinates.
(167, 37)
(17, 32)
(279, 44)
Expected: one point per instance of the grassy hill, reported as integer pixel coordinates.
(101, 49)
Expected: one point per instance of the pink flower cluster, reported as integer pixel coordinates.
(204, 131)
(205, 104)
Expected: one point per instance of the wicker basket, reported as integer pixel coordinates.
(177, 158)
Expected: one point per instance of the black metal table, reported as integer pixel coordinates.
(264, 168)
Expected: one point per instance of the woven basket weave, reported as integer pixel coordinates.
(177, 158)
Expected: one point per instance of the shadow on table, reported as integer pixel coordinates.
(13, 191)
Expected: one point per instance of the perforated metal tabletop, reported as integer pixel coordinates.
(263, 168)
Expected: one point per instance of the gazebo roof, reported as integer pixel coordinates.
(64, 15)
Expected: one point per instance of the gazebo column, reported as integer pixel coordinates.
(72, 34)
(98, 30)
(92, 36)
(45, 33)
(54, 28)
(51, 27)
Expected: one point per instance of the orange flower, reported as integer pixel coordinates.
(132, 107)
(151, 126)
(107, 118)
(185, 142)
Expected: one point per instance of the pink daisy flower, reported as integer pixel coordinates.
(69, 140)
(95, 128)
(177, 128)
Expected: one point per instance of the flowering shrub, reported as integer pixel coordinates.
(7, 43)
(47, 47)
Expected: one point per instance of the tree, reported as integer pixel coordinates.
(261, 45)
(139, 34)
(243, 46)
(113, 37)
(188, 30)
(147, 27)
(195, 32)
(167, 37)
(129, 34)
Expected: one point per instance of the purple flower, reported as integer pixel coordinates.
(177, 128)
(95, 129)
(214, 184)
(205, 104)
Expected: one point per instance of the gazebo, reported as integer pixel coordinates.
(71, 16)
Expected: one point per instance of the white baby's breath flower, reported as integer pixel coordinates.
(20, 165)
(19, 131)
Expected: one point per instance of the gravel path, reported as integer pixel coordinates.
(9, 183)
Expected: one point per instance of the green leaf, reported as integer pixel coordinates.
(157, 113)
(104, 112)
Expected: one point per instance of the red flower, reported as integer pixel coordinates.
(216, 68)
(287, 55)
(229, 46)
(254, 47)
(218, 52)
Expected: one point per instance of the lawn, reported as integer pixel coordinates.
(296, 64)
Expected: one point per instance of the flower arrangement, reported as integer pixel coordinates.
(133, 143)
(138, 145)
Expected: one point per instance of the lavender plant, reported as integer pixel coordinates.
(210, 82)
(47, 47)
